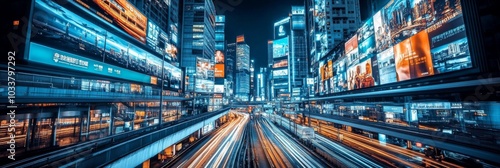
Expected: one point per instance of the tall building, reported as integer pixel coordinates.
(281, 52)
(198, 49)
(261, 86)
(230, 70)
(330, 22)
(252, 81)
(220, 52)
(242, 69)
(297, 60)
(270, 53)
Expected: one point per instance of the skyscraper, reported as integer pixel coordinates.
(252, 81)
(297, 60)
(242, 69)
(330, 22)
(262, 83)
(220, 52)
(281, 52)
(198, 48)
(230, 70)
(270, 53)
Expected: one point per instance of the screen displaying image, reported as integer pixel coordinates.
(413, 59)
(173, 76)
(382, 32)
(282, 28)
(280, 63)
(62, 29)
(351, 50)
(387, 68)
(219, 57)
(403, 23)
(219, 71)
(449, 46)
(367, 48)
(281, 72)
(366, 30)
(203, 85)
(204, 69)
(361, 76)
(280, 48)
(122, 13)
(340, 77)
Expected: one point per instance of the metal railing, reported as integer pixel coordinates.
(99, 152)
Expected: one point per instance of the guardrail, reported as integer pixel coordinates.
(100, 152)
(449, 142)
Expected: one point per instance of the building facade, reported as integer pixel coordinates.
(230, 70)
(219, 68)
(252, 81)
(242, 70)
(198, 50)
(262, 83)
(298, 56)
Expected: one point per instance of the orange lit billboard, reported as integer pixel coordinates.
(219, 71)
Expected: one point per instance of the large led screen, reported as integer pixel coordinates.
(280, 48)
(219, 64)
(120, 13)
(280, 73)
(62, 29)
(281, 63)
(174, 76)
(203, 85)
(204, 69)
(282, 28)
(412, 39)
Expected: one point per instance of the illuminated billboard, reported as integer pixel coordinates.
(219, 71)
(173, 76)
(120, 13)
(282, 28)
(281, 63)
(218, 88)
(280, 72)
(280, 48)
(219, 57)
(203, 85)
(204, 68)
(407, 39)
(64, 30)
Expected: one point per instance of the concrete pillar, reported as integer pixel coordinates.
(28, 133)
(408, 144)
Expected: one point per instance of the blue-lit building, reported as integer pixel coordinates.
(230, 70)
(242, 83)
(198, 51)
(78, 68)
(281, 51)
(219, 68)
(262, 85)
(298, 60)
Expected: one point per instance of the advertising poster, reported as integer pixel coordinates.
(219, 57)
(351, 50)
(329, 69)
(361, 75)
(442, 11)
(366, 30)
(204, 69)
(219, 71)
(64, 30)
(280, 73)
(218, 88)
(402, 52)
(203, 85)
(449, 46)
(171, 55)
(403, 23)
(280, 48)
(280, 63)
(386, 65)
(420, 60)
(382, 33)
(340, 76)
(282, 28)
(173, 76)
(156, 38)
(120, 13)
(367, 48)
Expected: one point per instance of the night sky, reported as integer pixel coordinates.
(254, 19)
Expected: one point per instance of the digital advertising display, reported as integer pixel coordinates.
(218, 88)
(382, 32)
(411, 39)
(219, 71)
(280, 73)
(280, 48)
(406, 18)
(366, 30)
(361, 76)
(121, 14)
(66, 31)
(204, 69)
(281, 63)
(366, 48)
(205, 86)
(174, 76)
(386, 65)
(282, 28)
(449, 46)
